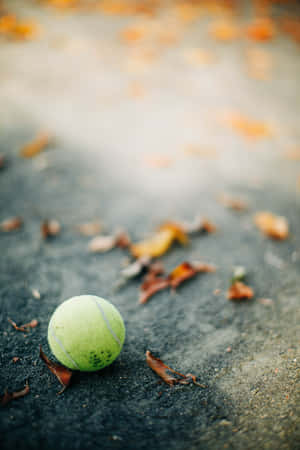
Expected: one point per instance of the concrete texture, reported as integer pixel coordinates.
(75, 80)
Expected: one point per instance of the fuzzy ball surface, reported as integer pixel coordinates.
(86, 333)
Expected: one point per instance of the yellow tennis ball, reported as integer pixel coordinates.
(86, 333)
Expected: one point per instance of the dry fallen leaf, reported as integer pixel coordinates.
(236, 204)
(238, 291)
(50, 228)
(9, 396)
(162, 370)
(132, 34)
(32, 324)
(249, 128)
(153, 283)
(36, 146)
(198, 225)
(224, 30)
(160, 242)
(63, 374)
(291, 26)
(11, 224)
(15, 359)
(273, 226)
(36, 294)
(12, 28)
(261, 29)
(102, 244)
(89, 228)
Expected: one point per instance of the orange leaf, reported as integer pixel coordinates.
(224, 30)
(262, 29)
(36, 146)
(239, 290)
(186, 270)
(273, 226)
(63, 374)
(160, 242)
(161, 370)
(11, 224)
(248, 128)
(7, 397)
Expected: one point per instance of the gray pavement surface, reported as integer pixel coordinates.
(75, 80)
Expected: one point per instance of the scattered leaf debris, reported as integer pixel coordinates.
(36, 146)
(158, 244)
(36, 294)
(291, 26)
(275, 227)
(32, 324)
(89, 228)
(234, 203)
(184, 271)
(15, 359)
(2, 161)
(9, 396)
(11, 224)
(162, 370)
(50, 228)
(102, 244)
(63, 374)
(199, 225)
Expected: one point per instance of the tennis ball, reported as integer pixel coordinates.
(86, 333)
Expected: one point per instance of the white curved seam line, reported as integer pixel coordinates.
(108, 324)
(63, 348)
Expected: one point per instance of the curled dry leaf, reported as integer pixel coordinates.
(24, 328)
(160, 242)
(275, 227)
(262, 29)
(236, 204)
(9, 396)
(36, 146)
(238, 291)
(89, 228)
(187, 270)
(153, 284)
(50, 228)
(161, 369)
(11, 224)
(63, 374)
(102, 244)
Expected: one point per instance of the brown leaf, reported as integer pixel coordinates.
(199, 225)
(187, 270)
(9, 396)
(275, 227)
(2, 161)
(15, 359)
(160, 242)
(89, 228)
(153, 284)
(162, 370)
(50, 228)
(36, 146)
(122, 239)
(14, 29)
(261, 29)
(11, 224)
(32, 324)
(239, 291)
(236, 204)
(63, 374)
(291, 26)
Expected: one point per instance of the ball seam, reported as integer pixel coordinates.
(58, 341)
(108, 324)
